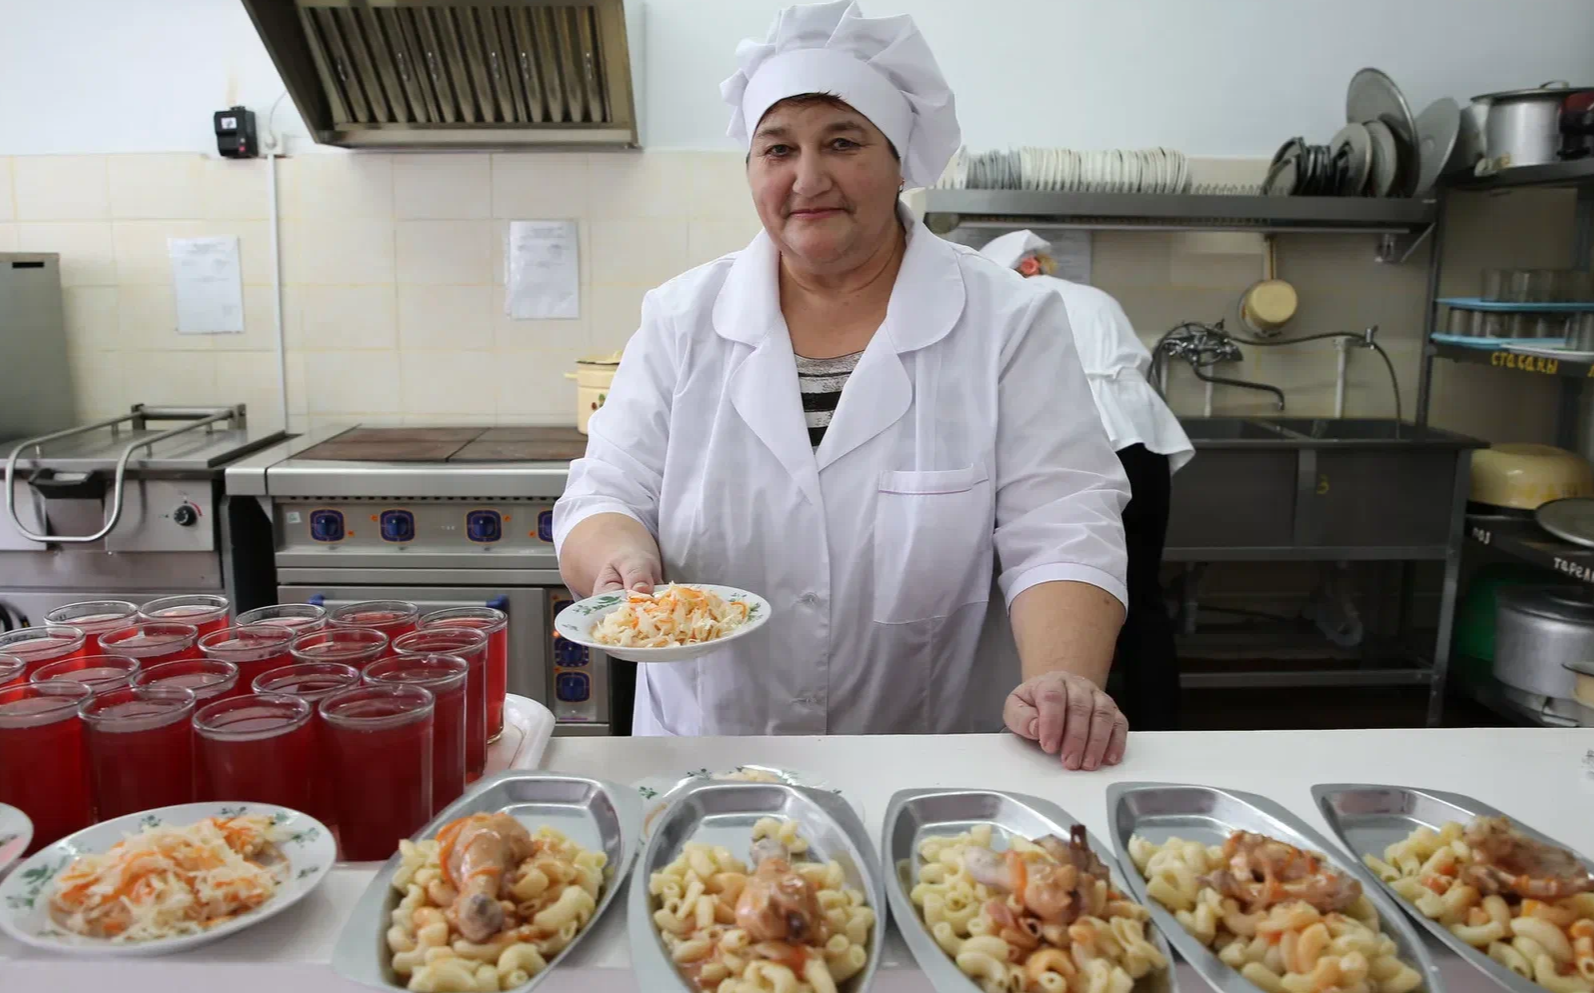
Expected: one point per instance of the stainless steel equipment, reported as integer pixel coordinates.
(129, 508)
(1537, 631)
(1523, 127)
(443, 517)
(35, 379)
(428, 73)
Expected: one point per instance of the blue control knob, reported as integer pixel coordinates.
(398, 525)
(572, 687)
(326, 525)
(569, 655)
(545, 525)
(484, 526)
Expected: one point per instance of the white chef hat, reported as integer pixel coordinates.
(1011, 249)
(880, 66)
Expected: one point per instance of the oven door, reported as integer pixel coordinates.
(531, 673)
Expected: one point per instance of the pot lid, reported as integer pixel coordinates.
(613, 358)
(1562, 603)
(1557, 88)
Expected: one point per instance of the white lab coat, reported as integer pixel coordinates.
(966, 436)
(1116, 366)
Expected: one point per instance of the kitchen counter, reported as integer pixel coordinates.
(1532, 773)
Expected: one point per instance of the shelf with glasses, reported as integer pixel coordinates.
(1518, 363)
(1522, 539)
(1185, 211)
(1578, 172)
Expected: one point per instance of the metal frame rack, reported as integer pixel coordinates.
(1398, 225)
(1516, 538)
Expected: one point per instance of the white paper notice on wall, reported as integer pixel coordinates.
(544, 277)
(209, 282)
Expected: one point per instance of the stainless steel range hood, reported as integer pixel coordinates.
(459, 73)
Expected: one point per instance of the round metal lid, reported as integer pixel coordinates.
(1373, 96)
(1559, 88)
(1562, 603)
(1571, 519)
(1437, 128)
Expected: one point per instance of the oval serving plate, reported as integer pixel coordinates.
(1368, 818)
(25, 893)
(914, 814)
(721, 813)
(1158, 811)
(16, 830)
(596, 815)
(575, 623)
(659, 791)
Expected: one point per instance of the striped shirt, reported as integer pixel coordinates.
(821, 381)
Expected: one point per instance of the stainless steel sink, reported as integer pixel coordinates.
(1232, 429)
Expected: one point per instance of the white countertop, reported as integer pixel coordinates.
(1534, 774)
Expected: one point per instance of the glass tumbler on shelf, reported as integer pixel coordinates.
(350, 646)
(1459, 322)
(43, 768)
(153, 642)
(380, 752)
(141, 748)
(98, 672)
(1580, 331)
(313, 682)
(300, 618)
(259, 747)
(206, 612)
(94, 618)
(1489, 324)
(444, 676)
(391, 617)
(207, 679)
(470, 645)
(1495, 282)
(255, 649)
(494, 623)
(40, 645)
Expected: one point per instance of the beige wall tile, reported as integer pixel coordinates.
(327, 186)
(156, 187)
(445, 317)
(238, 189)
(539, 185)
(61, 187)
(629, 185)
(334, 252)
(719, 187)
(447, 382)
(442, 187)
(85, 247)
(514, 335)
(8, 237)
(98, 383)
(90, 316)
(8, 206)
(708, 240)
(457, 253)
(532, 388)
(260, 327)
(146, 318)
(353, 383)
(250, 378)
(142, 256)
(346, 318)
(254, 246)
(171, 377)
(616, 314)
(637, 253)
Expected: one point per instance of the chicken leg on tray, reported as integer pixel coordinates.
(478, 854)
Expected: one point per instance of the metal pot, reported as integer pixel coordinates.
(1538, 632)
(1523, 127)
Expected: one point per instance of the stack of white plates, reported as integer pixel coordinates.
(1147, 170)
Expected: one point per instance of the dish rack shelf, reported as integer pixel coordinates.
(1574, 173)
(1518, 363)
(1527, 542)
(947, 209)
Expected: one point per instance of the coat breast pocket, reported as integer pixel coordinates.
(932, 543)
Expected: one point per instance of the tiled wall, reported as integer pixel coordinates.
(393, 275)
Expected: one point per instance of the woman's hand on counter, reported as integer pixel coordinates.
(608, 552)
(1068, 714)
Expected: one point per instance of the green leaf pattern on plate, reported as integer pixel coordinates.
(308, 871)
(303, 837)
(233, 811)
(600, 603)
(35, 879)
(149, 821)
(648, 793)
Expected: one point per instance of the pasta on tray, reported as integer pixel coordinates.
(789, 925)
(1525, 904)
(674, 616)
(487, 904)
(1281, 916)
(1041, 917)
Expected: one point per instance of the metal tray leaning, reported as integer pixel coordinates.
(723, 813)
(913, 814)
(1369, 818)
(1157, 811)
(597, 815)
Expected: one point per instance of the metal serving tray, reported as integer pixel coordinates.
(722, 813)
(1158, 811)
(1368, 819)
(914, 814)
(596, 815)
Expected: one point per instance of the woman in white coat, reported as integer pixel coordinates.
(1151, 446)
(863, 423)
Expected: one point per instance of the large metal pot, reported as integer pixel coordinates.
(1523, 127)
(1538, 631)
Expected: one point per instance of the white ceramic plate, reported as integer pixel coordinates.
(576, 621)
(25, 894)
(659, 791)
(16, 830)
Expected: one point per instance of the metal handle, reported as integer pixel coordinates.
(205, 415)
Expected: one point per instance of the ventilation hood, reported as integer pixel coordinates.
(458, 73)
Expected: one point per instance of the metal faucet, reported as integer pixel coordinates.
(1243, 384)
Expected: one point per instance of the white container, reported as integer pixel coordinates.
(593, 377)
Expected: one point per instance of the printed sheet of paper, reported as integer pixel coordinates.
(209, 281)
(544, 277)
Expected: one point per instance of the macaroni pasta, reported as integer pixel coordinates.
(711, 912)
(1095, 942)
(1287, 947)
